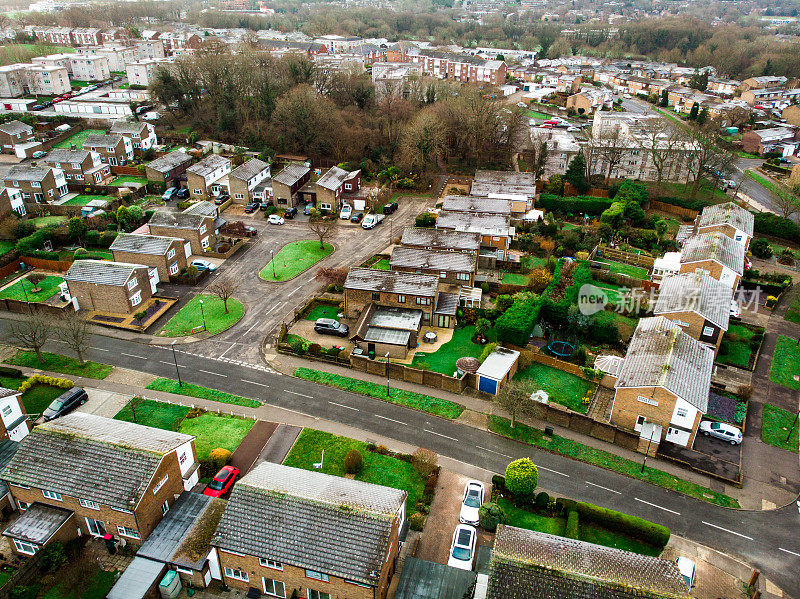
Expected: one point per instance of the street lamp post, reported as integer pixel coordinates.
(25, 291)
(175, 359)
(203, 314)
(649, 442)
(387, 373)
(794, 424)
(272, 259)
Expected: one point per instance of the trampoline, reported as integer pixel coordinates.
(562, 349)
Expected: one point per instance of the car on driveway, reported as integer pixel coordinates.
(183, 194)
(221, 199)
(290, 213)
(222, 482)
(722, 431)
(307, 209)
(346, 213)
(251, 207)
(357, 217)
(474, 492)
(39, 154)
(170, 194)
(275, 219)
(390, 208)
(202, 265)
(462, 549)
(330, 326)
(65, 403)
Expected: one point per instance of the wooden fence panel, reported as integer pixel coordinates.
(684, 213)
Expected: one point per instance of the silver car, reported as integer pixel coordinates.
(720, 430)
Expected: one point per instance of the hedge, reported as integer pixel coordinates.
(571, 529)
(15, 373)
(576, 204)
(641, 529)
(777, 226)
(41, 379)
(690, 204)
(29, 246)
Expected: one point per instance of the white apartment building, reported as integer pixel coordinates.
(89, 67)
(12, 81)
(561, 149)
(47, 80)
(143, 71)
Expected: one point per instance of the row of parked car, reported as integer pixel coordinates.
(465, 537)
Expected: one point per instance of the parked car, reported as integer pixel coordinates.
(183, 194)
(251, 207)
(39, 154)
(330, 326)
(37, 107)
(221, 199)
(546, 126)
(307, 209)
(57, 100)
(202, 265)
(357, 217)
(222, 482)
(574, 129)
(290, 213)
(736, 310)
(275, 219)
(784, 160)
(267, 204)
(473, 499)
(65, 403)
(347, 212)
(687, 569)
(462, 549)
(151, 116)
(720, 430)
(170, 194)
(390, 208)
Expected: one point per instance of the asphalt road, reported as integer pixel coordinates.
(767, 540)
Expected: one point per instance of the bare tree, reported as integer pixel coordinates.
(330, 275)
(785, 201)
(73, 331)
(134, 404)
(609, 147)
(322, 228)
(224, 289)
(707, 157)
(515, 398)
(539, 154)
(663, 146)
(31, 332)
(35, 278)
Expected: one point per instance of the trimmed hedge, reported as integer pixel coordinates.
(571, 530)
(583, 204)
(641, 529)
(690, 204)
(777, 226)
(41, 379)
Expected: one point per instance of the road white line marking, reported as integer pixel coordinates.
(293, 292)
(132, 355)
(390, 419)
(255, 383)
(252, 327)
(733, 532)
(493, 451)
(165, 362)
(230, 348)
(214, 373)
(440, 435)
(604, 488)
(99, 349)
(553, 471)
(341, 405)
(787, 551)
(296, 393)
(657, 506)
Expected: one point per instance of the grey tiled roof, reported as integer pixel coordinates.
(91, 457)
(476, 204)
(311, 520)
(5, 392)
(99, 140)
(433, 260)
(208, 165)
(291, 174)
(60, 155)
(714, 246)
(249, 169)
(334, 177)
(7, 450)
(202, 208)
(441, 239)
(102, 272)
(531, 565)
(695, 292)
(142, 244)
(25, 172)
(14, 127)
(660, 354)
(487, 183)
(177, 220)
(446, 303)
(727, 214)
(370, 279)
(487, 224)
(128, 127)
(169, 161)
(38, 523)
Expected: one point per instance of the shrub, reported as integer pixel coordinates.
(41, 379)
(498, 481)
(489, 349)
(10, 372)
(425, 461)
(565, 505)
(315, 349)
(53, 557)
(92, 238)
(761, 248)
(416, 521)
(539, 280)
(503, 302)
(107, 238)
(482, 326)
(649, 532)
(571, 528)
(522, 477)
(425, 219)
(490, 515)
(298, 347)
(542, 501)
(219, 456)
(577, 205)
(353, 462)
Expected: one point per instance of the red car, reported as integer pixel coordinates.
(222, 482)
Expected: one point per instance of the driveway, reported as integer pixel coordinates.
(718, 448)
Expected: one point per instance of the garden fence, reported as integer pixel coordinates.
(27, 571)
(619, 255)
(683, 213)
(23, 307)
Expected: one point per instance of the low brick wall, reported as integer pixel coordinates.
(22, 307)
(401, 372)
(234, 248)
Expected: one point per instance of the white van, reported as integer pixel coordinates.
(346, 212)
(687, 569)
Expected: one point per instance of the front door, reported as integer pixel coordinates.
(371, 349)
(96, 527)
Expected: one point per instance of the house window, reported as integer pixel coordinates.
(401, 299)
(236, 574)
(25, 547)
(160, 484)
(170, 253)
(269, 563)
(136, 298)
(132, 284)
(7, 410)
(640, 420)
(681, 412)
(68, 176)
(312, 594)
(316, 575)
(462, 276)
(347, 186)
(182, 459)
(79, 177)
(23, 505)
(273, 588)
(124, 531)
(90, 504)
(197, 192)
(204, 242)
(112, 160)
(442, 274)
(164, 507)
(424, 301)
(35, 184)
(239, 196)
(51, 495)
(376, 296)
(183, 570)
(173, 268)
(203, 229)
(708, 331)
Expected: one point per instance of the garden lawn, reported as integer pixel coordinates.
(154, 413)
(529, 520)
(629, 270)
(598, 457)
(532, 262)
(293, 259)
(562, 387)
(212, 431)
(97, 587)
(793, 313)
(22, 290)
(738, 351)
(514, 278)
(382, 264)
(378, 469)
(410, 399)
(123, 179)
(170, 386)
(613, 292)
(6, 246)
(707, 191)
(625, 324)
(58, 363)
(785, 363)
(190, 316)
(443, 360)
(38, 397)
(44, 221)
(322, 311)
(775, 427)
(83, 199)
(78, 138)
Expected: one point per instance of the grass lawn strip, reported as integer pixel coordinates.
(562, 387)
(294, 258)
(190, 316)
(22, 290)
(58, 363)
(785, 363)
(793, 313)
(212, 431)
(170, 386)
(43, 221)
(620, 268)
(775, 428)
(6, 246)
(764, 182)
(443, 360)
(97, 587)
(322, 311)
(739, 351)
(598, 457)
(154, 413)
(514, 278)
(123, 179)
(382, 264)
(37, 398)
(410, 399)
(378, 469)
(83, 199)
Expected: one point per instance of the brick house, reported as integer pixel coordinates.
(40, 184)
(85, 474)
(113, 149)
(288, 182)
(141, 134)
(365, 286)
(201, 231)
(169, 168)
(11, 199)
(664, 379)
(82, 166)
(245, 178)
(14, 423)
(697, 303)
(716, 254)
(117, 287)
(495, 229)
(14, 133)
(208, 177)
(334, 183)
(463, 68)
(168, 254)
(286, 529)
(728, 218)
(441, 239)
(773, 139)
(587, 101)
(452, 268)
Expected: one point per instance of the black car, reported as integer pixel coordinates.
(251, 207)
(357, 217)
(183, 194)
(266, 205)
(290, 213)
(390, 208)
(47, 104)
(329, 326)
(221, 199)
(65, 403)
(37, 107)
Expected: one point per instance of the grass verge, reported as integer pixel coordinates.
(293, 259)
(58, 363)
(775, 427)
(212, 431)
(170, 386)
(785, 363)
(191, 316)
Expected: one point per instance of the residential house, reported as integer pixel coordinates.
(86, 36)
(463, 68)
(668, 264)
(246, 177)
(13, 134)
(113, 149)
(588, 101)
(40, 184)
(476, 205)
(391, 79)
(14, 423)
(770, 97)
(201, 231)
(495, 230)
(784, 140)
(167, 254)
(762, 82)
(568, 84)
(697, 303)
(664, 380)
(286, 529)
(723, 87)
(141, 134)
(335, 183)
(561, 146)
(714, 254)
(11, 199)
(55, 36)
(83, 474)
(728, 218)
(7, 450)
(142, 72)
(89, 67)
(790, 114)
(117, 287)
(288, 182)
(208, 177)
(520, 188)
(453, 268)
(365, 286)
(81, 166)
(527, 564)
(441, 239)
(170, 168)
